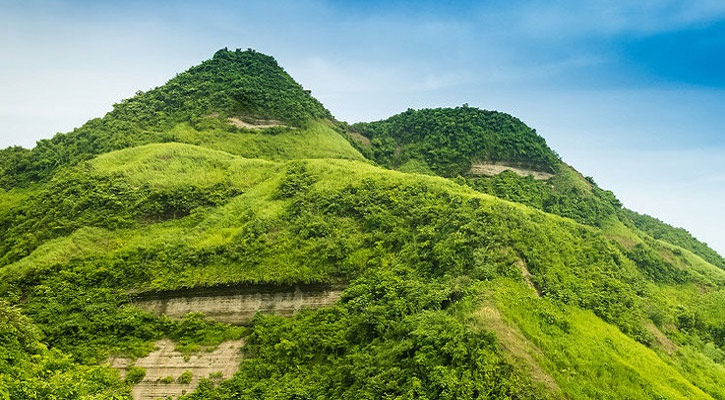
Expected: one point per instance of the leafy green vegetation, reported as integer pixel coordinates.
(567, 194)
(185, 378)
(29, 370)
(676, 236)
(449, 140)
(457, 286)
(135, 375)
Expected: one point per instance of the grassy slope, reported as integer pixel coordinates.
(586, 357)
(317, 140)
(676, 236)
(153, 196)
(574, 196)
(320, 220)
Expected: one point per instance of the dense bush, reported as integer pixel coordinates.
(29, 370)
(135, 375)
(185, 378)
(450, 140)
(591, 206)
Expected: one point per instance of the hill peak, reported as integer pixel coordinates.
(453, 141)
(231, 83)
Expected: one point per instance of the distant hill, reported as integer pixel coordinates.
(439, 254)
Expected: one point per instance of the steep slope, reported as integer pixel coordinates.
(675, 236)
(466, 286)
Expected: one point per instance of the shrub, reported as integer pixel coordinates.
(135, 375)
(185, 378)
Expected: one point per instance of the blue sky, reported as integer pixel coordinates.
(631, 93)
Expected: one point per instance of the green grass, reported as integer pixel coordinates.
(166, 164)
(588, 358)
(317, 140)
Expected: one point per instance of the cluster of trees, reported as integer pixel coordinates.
(590, 205)
(450, 140)
(29, 370)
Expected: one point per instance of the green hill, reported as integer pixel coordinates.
(447, 141)
(244, 85)
(456, 285)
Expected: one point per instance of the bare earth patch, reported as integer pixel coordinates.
(253, 123)
(165, 362)
(521, 265)
(492, 169)
(239, 305)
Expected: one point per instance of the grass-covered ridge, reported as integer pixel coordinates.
(676, 236)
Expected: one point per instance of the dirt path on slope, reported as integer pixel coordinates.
(251, 123)
(521, 351)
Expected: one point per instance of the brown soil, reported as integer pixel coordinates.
(526, 275)
(239, 306)
(167, 362)
(253, 123)
(661, 340)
